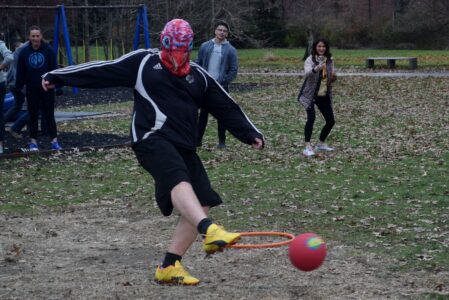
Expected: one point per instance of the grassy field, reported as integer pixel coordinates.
(291, 59)
(383, 191)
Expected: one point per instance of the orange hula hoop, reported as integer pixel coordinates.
(263, 233)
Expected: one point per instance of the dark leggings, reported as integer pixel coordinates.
(45, 101)
(324, 104)
(202, 123)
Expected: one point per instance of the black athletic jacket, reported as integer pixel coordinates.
(164, 104)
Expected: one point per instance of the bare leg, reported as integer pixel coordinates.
(183, 237)
(185, 201)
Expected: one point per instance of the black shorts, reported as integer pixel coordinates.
(169, 165)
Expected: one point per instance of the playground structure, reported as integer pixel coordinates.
(68, 49)
(106, 30)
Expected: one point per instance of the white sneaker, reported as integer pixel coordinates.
(323, 147)
(308, 152)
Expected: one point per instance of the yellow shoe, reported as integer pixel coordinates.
(175, 275)
(216, 239)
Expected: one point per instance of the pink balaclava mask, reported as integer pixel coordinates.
(176, 43)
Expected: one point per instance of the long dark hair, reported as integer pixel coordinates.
(328, 53)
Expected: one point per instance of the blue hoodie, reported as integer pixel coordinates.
(32, 64)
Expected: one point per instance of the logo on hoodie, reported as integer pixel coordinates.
(36, 60)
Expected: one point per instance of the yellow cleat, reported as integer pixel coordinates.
(175, 275)
(216, 239)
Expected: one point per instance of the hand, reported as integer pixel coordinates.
(258, 143)
(46, 85)
(319, 67)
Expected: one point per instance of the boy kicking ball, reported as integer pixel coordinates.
(168, 92)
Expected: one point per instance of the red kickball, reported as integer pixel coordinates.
(307, 251)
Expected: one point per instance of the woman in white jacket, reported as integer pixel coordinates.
(317, 90)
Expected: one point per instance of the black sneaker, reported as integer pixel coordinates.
(221, 145)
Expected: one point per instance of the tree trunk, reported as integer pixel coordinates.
(86, 35)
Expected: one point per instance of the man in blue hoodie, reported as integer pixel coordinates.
(35, 60)
(220, 60)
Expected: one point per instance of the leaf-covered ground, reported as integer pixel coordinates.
(84, 225)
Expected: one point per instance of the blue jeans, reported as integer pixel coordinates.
(2, 101)
(21, 121)
(19, 99)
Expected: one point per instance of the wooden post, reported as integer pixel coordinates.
(391, 63)
(413, 63)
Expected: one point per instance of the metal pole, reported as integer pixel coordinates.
(137, 34)
(146, 35)
(67, 40)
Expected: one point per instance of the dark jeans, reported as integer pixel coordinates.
(202, 123)
(19, 99)
(2, 101)
(324, 104)
(22, 119)
(45, 101)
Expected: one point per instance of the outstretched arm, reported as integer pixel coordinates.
(98, 74)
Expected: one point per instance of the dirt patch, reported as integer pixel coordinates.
(109, 250)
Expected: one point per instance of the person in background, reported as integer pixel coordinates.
(168, 91)
(317, 90)
(6, 59)
(19, 97)
(20, 120)
(18, 113)
(35, 60)
(220, 60)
